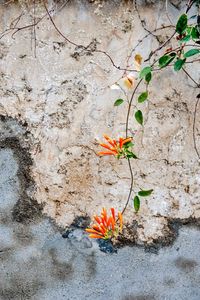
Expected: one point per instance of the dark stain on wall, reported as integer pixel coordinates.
(91, 265)
(22, 234)
(60, 270)
(27, 208)
(185, 264)
(19, 289)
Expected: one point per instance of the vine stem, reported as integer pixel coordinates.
(129, 106)
(128, 159)
(196, 83)
(131, 186)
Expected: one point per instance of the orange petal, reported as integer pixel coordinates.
(113, 212)
(97, 219)
(120, 142)
(120, 220)
(114, 141)
(104, 212)
(103, 229)
(126, 140)
(110, 141)
(107, 146)
(107, 153)
(109, 221)
(103, 221)
(96, 236)
(90, 230)
(113, 223)
(96, 227)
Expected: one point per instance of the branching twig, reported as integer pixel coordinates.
(141, 21)
(159, 48)
(142, 40)
(79, 45)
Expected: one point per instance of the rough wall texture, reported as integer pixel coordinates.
(36, 263)
(63, 98)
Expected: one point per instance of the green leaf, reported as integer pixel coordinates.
(130, 154)
(148, 77)
(143, 96)
(118, 102)
(145, 71)
(166, 59)
(189, 29)
(139, 117)
(186, 39)
(128, 144)
(179, 64)
(191, 52)
(195, 33)
(145, 193)
(181, 25)
(136, 202)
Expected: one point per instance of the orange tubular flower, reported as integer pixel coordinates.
(106, 227)
(114, 147)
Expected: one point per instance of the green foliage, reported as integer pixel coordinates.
(145, 71)
(166, 59)
(191, 52)
(136, 203)
(139, 117)
(179, 64)
(118, 102)
(148, 77)
(143, 96)
(145, 193)
(195, 33)
(130, 154)
(181, 25)
(186, 38)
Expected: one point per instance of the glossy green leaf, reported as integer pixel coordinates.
(128, 144)
(130, 154)
(181, 25)
(136, 202)
(139, 117)
(145, 71)
(145, 193)
(179, 64)
(195, 33)
(191, 52)
(118, 102)
(166, 59)
(186, 39)
(148, 77)
(143, 96)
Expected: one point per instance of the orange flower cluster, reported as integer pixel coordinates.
(106, 226)
(114, 147)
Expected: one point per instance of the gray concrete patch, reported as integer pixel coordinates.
(37, 263)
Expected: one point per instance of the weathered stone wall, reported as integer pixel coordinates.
(63, 98)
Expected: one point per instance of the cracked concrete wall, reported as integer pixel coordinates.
(63, 98)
